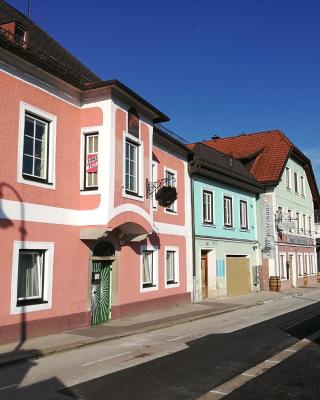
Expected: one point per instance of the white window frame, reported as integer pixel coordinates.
(173, 208)
(176, 267)
(312, 265)
(285, 277)
(290, 218)
(48, 248)
(139, 196)
(244, 228)
(204, 221)
(305, 224)
(155, 277)
(296, 189)
(303, 187)
(300, 266)
(306, 261)
(228, 226)
(288, 181)
(85, 132)
(51, 156)
(298, 220)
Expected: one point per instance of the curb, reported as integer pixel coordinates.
(13, 358)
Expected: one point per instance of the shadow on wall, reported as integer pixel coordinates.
(9, 383)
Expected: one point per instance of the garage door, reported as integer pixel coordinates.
(238, 275)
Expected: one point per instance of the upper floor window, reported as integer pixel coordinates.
(304, 224)
(20, 34)
(91, 161)
(298, 222)
(35, 148)
(132, 167)
(310, 226)
(243, 214)
(290, 218)
(170, 180)
(133, 122)
(207, 207)
(172, 273)
(154, 168)
(227, 206)
(302, 186)
(295, 180)
(279, 214)
(288, 178)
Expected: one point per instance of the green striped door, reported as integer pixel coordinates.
(100, 293)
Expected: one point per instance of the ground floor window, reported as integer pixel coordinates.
(283, 266)
(172, 267)
(299, 264)
(32, 276)
(149, 268)
(306, 264)
(312, 266)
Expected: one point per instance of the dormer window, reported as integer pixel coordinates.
(133, 123)
(20, 34)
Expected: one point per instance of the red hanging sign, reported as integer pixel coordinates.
(92, 163)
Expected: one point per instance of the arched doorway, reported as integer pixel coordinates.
(102, 257)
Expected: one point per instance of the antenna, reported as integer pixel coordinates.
(28, 8)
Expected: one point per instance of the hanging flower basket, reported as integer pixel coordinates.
(166, 195)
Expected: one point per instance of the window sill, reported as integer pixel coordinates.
(229, 228)
(31, 302)
(171, 285)
(170, 212)
(36, 182)
(209, 225)
(148, 288)
(132, 196)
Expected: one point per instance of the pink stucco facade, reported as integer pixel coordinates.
(64, 222)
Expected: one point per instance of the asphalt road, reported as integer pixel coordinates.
(184, 361)
(216, 358)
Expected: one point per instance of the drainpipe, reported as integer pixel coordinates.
(194, 297)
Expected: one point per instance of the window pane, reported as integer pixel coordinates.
(27, 165)
(29, 275)
(170, 267)
(28, 146)
(147, 267)
(29, 127)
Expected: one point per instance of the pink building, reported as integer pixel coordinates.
(83, 238)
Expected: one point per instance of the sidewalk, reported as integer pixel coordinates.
(115, 329)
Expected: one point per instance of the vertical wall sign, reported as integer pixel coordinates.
(267, 225)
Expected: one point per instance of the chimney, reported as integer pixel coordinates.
(214, 137)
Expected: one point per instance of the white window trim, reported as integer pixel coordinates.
(232, 211)
(140, 192)
(290, 178)
(85, 131)
(285, 266)
(298, 232)
(154, 202)
(26, 108)
(301, 266)
(303, 186)
(176, 265)
(204, 189)
(306, 257)
(175, 204)
(298, 184)
(247, 208)
(312, 264)
(48, 276)
(155, 278)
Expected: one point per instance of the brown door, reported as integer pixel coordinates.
(204, 274)
(238, 275)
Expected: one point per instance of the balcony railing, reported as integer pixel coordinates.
(171, 134)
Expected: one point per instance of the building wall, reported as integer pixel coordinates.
(218, 229)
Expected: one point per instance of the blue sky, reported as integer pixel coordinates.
(214, 66)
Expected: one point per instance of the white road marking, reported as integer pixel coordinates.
(9, 387)
(105, 359)
(273, 361)
(218, 392)
(179, 337)
(245, 374)
(229, 386)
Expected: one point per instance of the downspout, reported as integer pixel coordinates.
(194, 297)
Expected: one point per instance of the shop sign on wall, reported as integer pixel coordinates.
(267, 225)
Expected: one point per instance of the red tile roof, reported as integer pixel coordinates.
(264, 153)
